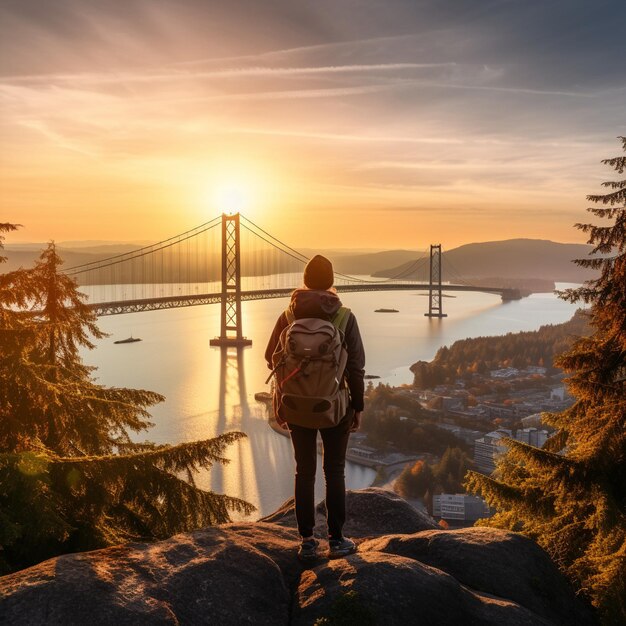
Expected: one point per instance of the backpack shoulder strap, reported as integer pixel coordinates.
(340, 319)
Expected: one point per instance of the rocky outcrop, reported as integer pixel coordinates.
(213, 576)
(500, 563)
(420, 374)
(406, 571)
(399, 590)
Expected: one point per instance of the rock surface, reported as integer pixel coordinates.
(407, 571)
(398, 590)
(494, 561)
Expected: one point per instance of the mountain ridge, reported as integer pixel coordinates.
(513, 258)
(509, 258)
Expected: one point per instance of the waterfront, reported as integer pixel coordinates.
(209, 391)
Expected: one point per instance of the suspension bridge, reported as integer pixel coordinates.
(231, 259)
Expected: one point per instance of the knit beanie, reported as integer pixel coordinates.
(318, 273)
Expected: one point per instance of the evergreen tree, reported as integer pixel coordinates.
(15, 290)
(5, 227)
(451, 469)
(71, 477)
(415, 480)
(571, 495)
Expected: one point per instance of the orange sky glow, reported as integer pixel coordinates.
(136, 125)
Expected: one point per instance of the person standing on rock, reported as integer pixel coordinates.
(316, 355)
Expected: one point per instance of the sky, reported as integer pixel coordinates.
(334, 123)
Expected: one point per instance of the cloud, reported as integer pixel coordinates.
(398, 104)
(237, 72)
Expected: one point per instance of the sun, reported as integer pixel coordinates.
(232, 187)
(231, 197)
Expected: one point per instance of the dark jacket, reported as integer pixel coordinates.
(323, 305)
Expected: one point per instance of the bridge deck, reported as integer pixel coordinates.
(171, 302)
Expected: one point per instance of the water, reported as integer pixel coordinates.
(209, 391)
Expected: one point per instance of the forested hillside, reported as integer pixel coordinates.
(481, 354)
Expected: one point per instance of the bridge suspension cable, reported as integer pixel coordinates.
(299, 256)
(452, 272)
(184, 267)
(139, 252)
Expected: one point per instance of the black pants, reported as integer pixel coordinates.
(335, 441)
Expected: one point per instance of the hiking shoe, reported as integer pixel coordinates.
(340, 547)
(308, 551)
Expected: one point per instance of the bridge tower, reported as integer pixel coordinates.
(434, 290)
(231, 332)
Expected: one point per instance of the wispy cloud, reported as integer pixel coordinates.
(57, 138)
(538, 92)
(459, 108)
(236, 72)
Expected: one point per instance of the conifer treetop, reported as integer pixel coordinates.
(67, 321)
(6, 227)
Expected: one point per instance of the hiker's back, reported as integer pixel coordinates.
(309, 363)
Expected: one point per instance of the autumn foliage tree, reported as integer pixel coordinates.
(72, 476)
(419, 479)
(415, 480)
(571, 495)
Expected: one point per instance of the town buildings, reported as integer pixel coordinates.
(460, 507)
(488, 447)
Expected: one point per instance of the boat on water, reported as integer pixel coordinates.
(386, 311)
(130, 339)
(263, 396)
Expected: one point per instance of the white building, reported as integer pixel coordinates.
(532, 436)
(532, 420)
(460, 506)
(506, 372)
(487, 448)
(558, 393)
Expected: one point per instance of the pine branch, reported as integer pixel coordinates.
(197, 454)
(541, 458)
(617, 197)
(485, 485)
(609, 213)
(557, 441)
(5, 227)
(618, 184)
(506, 496)
(617, 163)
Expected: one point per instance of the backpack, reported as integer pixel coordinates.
(309, 368)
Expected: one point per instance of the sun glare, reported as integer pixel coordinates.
(231, 187)
(232, 197)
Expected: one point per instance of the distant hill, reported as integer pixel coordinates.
(344, 261)
(512, 258)
(497, 261)
(24, 255)
(372, 262)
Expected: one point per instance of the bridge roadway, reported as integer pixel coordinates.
(172, 302)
